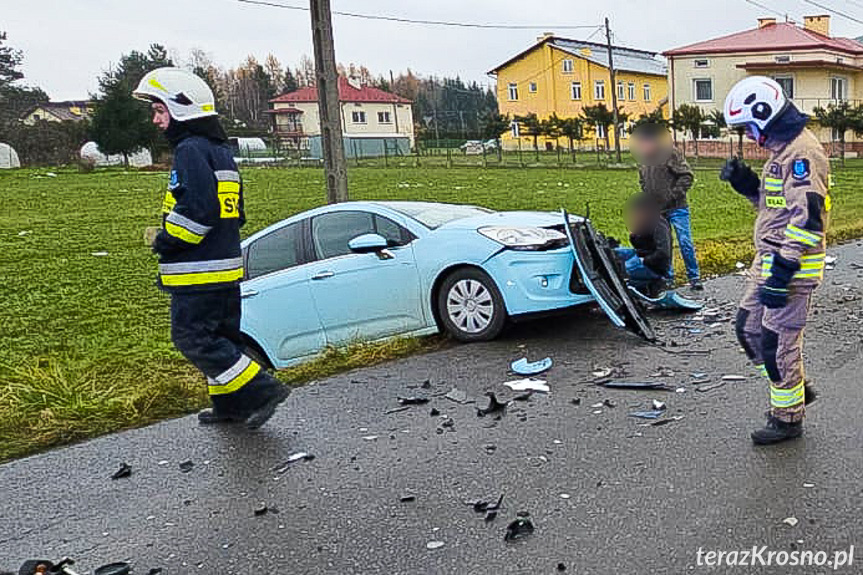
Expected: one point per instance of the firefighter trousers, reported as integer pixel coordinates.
(773, 340)
(205, 328)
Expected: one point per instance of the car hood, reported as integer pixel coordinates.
(508, 219)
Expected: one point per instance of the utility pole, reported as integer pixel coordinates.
(327, 79)
(613, 92)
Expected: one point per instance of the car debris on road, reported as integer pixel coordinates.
(523, 367)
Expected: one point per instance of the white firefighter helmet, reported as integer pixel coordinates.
(754, 101)
(186, 96)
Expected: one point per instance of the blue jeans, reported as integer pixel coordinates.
(640, 276)
(680, 221)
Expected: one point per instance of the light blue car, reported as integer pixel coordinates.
(372, 270)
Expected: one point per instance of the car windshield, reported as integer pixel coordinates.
(435, 215)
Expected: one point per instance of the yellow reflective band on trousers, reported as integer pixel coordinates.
(780, 397)
(803, 236)
(811, 266)
(235, 377)
(201, 273)
(762, 369)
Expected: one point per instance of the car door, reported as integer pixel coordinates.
(362, 296)
(278, 310)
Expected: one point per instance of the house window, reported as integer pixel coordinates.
(531, 87)
(358, 117)
(513, 91)
(631, 89)
(384, 118)
(782, 59)
(621, 91)
(567, 66)
(838, 88)
(787, 83)
(600, 131)
(703, 88)
(575, 90)
(647, 92)
(599, 90)
(702, 63)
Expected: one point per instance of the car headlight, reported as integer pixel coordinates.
(524, 238)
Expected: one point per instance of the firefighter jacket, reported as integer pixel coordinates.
(199, 244)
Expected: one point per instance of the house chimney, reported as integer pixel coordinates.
(762, 22)
(355, 82)
(545, 36)
(818, 24)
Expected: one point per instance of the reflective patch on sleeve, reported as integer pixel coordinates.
(773, 184)
(169, 202)
(229, 194)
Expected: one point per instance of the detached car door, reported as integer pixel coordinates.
(362, 296)
(278, 310)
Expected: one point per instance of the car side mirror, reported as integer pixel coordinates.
(368, 244)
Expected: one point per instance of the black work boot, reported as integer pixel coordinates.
(274, 396)
(810, 395)
(776, 431)
(696, 285)
(215, 417)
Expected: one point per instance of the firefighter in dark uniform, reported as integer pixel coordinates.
(200, 261)
(792, 202)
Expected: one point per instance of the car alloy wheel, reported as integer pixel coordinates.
(470, 306)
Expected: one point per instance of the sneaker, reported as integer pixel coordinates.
(262, 414)
(696, 285)
(776, 431)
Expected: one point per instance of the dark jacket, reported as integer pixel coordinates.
(199, 244)
(654, 247)
(667, 179)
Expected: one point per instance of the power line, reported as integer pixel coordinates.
(834, 11)
(768, 8)
(420, 22)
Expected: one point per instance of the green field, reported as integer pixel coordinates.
(85, 345)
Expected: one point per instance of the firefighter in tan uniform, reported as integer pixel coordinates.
(792, 201)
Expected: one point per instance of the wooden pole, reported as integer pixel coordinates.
(327, 77)
(613, 92)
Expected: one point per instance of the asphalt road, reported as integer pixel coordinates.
(605, 493)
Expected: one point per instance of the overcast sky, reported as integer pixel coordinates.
(67, 43)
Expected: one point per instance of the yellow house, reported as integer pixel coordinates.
(562, 76)
(71, 111)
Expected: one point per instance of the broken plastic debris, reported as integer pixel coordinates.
(830, 260)
(434, 412)
(408, 498)
(518, 529)
(528, 385)
(651, 414)
(493, 406)
(484, 506)
(125, 470)
(523, 367)
(636, 385)
(659, 422)
(790, 521)
(23, 233)
(261, 509)
(658, 405)
(740, 265)
(734, 378)
(99, 254)
(293, 458)
(703, 388)
(186, 466)
(434, 544)
(415, 400)
(370, 437)
(457, 395)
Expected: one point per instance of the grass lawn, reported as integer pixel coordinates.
(85, 346)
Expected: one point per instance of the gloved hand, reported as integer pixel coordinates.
(741, 177)
(165, 245)
(774, 292)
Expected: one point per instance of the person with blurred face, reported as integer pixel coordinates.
(666, 177)
(792, 202)
(648, 261)
(200, 260)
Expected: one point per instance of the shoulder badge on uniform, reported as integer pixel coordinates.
(775, 170)
(800, 169)
(175, 180)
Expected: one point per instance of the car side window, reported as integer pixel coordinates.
(395, 234)
(332, 232)
(275, 251)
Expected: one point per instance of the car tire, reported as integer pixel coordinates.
(470, 306)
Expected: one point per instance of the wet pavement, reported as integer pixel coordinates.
(393, 493)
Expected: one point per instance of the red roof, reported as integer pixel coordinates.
(347, 93)
(770, 38)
